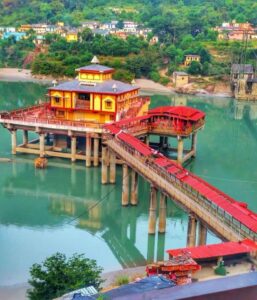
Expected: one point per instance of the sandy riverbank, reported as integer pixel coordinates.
(146, 85)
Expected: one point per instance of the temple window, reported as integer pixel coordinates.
(108, 104)
(57, 99)
(83, 96)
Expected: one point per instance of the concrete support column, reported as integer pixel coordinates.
(96, 152)
(112, 168)
(25, 137)
(161, 142)
(54, 140)
(202, 234)
(88, 150)
(73, 148)
(104, 165)
(194, 143)
(14, 141)
(160, 247)
(150, 248)
(162, 213)
(134, 188)
(152, 211)
(180, 150)
(147, 140)
(191, 231)
(41, 144)
(125, 185)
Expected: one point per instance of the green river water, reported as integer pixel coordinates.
(65, 208)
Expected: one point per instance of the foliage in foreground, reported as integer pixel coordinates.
(58, 275)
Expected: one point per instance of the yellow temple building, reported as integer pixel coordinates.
(94, 96)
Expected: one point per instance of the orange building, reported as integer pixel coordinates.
(94, 96)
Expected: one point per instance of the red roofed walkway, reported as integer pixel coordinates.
(229, 219)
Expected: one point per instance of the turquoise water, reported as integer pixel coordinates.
(65, 208)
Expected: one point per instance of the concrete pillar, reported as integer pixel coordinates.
(112, 168)
(41, 144)
(152, 211)
(202, 234)
(96, 152)
(54, 140)
(161, 142)
(125, 186)
(160, 247)
(191, 231)
(180, 150)
(104, 165)
(147, 140)
(162, 213)
(14, 141)
(194, 143)
(25, 137)
(150, 248)
(88, 150)
(73, 148)
(134, 188)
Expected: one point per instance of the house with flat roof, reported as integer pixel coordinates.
(180, 79)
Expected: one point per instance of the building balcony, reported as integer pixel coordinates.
(82, 104)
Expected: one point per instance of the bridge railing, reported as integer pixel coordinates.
(210, 206)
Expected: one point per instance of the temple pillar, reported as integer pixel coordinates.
(125, 185)
(25, 137)
(152, 210)
(41, 144)
(191, 231)
(134, 188)
(96, 152)
(88, 150)
(112, 167)
(73, 148)
(180, 150)
(14, 141)
(202, 234)
(194, 143)
(104, 165)
(162, 213)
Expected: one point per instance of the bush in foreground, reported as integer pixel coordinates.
(58, 275)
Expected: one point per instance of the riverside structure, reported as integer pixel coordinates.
(125, 140)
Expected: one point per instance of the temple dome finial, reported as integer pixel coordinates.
(95, 60)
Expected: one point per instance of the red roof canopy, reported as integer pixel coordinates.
(181, 112)
(216, 250)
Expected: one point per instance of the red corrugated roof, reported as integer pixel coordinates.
(135, 143)
(217, 250)
(112, 128)
(182, 112)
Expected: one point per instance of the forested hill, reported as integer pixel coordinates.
(192, 15)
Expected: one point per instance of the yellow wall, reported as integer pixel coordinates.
(90, 77)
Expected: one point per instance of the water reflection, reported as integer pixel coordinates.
(244, 109)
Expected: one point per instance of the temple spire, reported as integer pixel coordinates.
(95, 60)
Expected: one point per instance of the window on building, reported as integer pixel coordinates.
(84, 96)
(57, 99)
(108, 104)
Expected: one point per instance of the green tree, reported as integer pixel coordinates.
(195, 68)
(58, 275)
